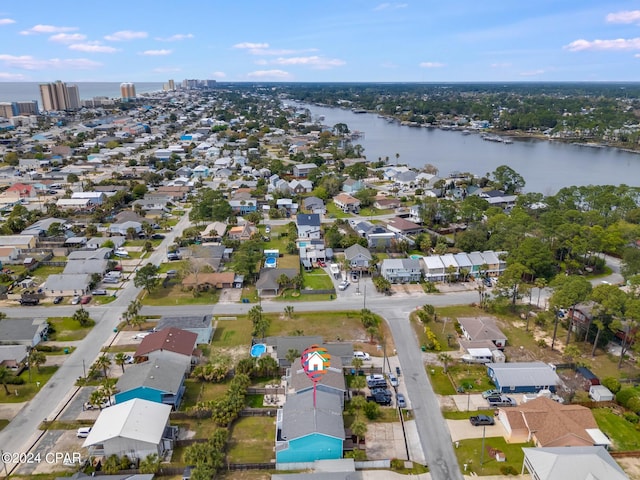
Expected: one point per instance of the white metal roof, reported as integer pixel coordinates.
(135, 419)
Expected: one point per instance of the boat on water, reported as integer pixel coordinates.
(497, 139)
(359, 110)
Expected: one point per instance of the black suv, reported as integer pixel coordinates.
(481, 420)
(380, 399)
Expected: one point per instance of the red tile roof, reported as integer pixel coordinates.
(171, 339)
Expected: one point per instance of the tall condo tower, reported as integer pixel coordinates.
(127, 91)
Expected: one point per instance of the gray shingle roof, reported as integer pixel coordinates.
(164, 374)
(299, 418)
(185, 322)
(523, 374)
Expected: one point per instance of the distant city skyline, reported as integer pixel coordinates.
(331, 41)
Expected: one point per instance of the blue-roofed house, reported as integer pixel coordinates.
(523, 377)
(307, 434)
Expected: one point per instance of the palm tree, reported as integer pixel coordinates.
(82, 317)
(36, 358)
(292, 354)
(359, 429)
(358, 383)
(120, 359)
(397, 157)
(445, 358)
(103, 362)
(5, 375)
(108, 387)
(288, 311)
(150, 464)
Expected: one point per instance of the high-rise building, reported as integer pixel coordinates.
(127, 91)
(59, 96)
(27, 108)
(6, 109)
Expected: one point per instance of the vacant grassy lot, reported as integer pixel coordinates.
(252, 440)
(175, 295)
(288, 261)
(41, 273)
(470, 377)
(317, 279)
(290, 295)
(335, 212)
(469, 452)
(443, 328)
(67, 329)
(27, 390)
(440, 381)
(624, 435)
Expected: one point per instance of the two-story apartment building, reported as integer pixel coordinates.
(401, 270)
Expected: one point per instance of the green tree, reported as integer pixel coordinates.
(5, 376)
(72, 178)
(36, 358)
(292, 355)
(82, 317)
(446, 359)
(359, 429)
(150, 464)
(120, 359)
(147, 277)
(288, 311)
(568, 292)
(103, 362)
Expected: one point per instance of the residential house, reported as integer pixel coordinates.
(332, 381)
(172, 342)
(403, 226)
(95, 198)
(21, 242)
(314, 205)
(306, 432)
(19, 191)
(358, 257)
(482, 328)
(352, 186)
(548, 423)
(581, 315)
(310, 251)
(9, 255)
(287, 206)
(210, 280)
(478, 266)
(523, 377)
(201, 325)
(13, 356)
(414, 214)
(497, 198)
(176, 193)
(66, 285)
(303, 169)
(493, 263)
(576, 463)
(300, 186)
(242, 207)
(40, 227)
(347, 203)
(136, 428)
(280, 346)
(268, 279)
(123, 228)
(23, 331)
(464, 265)
(451, 268)
(308, 225)
(242, 232)
(201, 171)
(385, 203)
(433, 268)
(214, 232)
(160, 380)
(401, 270)
(74, 204)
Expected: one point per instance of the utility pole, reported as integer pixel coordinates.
(482, 449)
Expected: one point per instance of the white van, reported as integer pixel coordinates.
(83, 432)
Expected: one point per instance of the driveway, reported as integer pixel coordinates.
(462, 430)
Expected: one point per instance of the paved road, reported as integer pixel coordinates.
(20, 434)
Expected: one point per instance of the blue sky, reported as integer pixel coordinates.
(313, 41)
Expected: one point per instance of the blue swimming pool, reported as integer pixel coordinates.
(258, 349)
(416, 257)
(270, 262)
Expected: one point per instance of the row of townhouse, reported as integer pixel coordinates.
(438, 268)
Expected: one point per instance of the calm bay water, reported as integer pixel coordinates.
(26, 91)
(545, 165)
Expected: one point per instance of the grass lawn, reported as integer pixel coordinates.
(623, 434)
(43, 271)
(444, 330)
(178, 265)
(104, 299)
(288, 261)
(457, 415)
(372, 211)
(3, 423)
(67, 329)
(251, 440)
(335, 212)
(197, 391)
(469, 452)
(27, 390)
(440, 381)
(464, 375)
(290, 295)
(251, 293)
(317, 279)
(175, 295)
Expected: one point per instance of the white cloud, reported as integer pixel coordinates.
(261, 61)
(167, 70)
(67, 37)
(250, 45)
(390, 6)
(269, 74)
(175, 38)
(432, 65)
(532, 73)
(500, 65)
(613, 44)
(629, 16)
(12, 76)
(156, 53)
(219, 75)
(312, 61)
(7, 21)
(389, 65)
(92, 47)
(125, 35)
(27, 62)
(47, 29)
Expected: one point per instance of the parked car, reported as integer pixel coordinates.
(83, 432)
(129, 359)
(393, 380)
(57, 300)
(398, 371)
(171, 256)
(99, 291)
(361, 355)
(172, 273)
(157, 236)
(501, 401)
(481, 420)
(141, 335)
(75, 300)
(343, 285)
(110, 279)
(380, 399)
(29, 301)
(400, 401)
(85, 299)
(490, 393)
